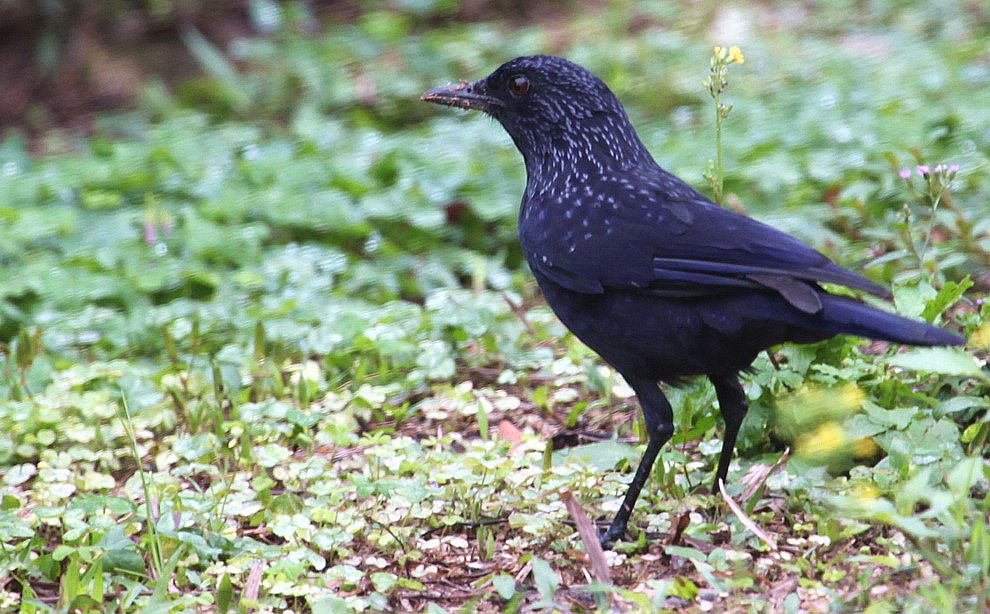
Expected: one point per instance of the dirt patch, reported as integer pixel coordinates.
(62, 66)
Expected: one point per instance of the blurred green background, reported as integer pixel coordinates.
(238, 253)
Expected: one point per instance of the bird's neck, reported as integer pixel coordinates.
(570, 157)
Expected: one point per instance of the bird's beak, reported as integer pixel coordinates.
(463, 95)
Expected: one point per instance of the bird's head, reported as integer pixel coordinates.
(553, 109)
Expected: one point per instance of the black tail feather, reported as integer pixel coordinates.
(847, 316)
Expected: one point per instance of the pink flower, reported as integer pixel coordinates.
(922, 170)
(150, 233)
(953, 169)
(904, 173)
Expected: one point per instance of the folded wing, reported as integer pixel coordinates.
(688, 248)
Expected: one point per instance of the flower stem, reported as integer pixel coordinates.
(719, 168)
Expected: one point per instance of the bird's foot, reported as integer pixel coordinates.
(614, 533)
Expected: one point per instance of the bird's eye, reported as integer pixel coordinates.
(518, 86)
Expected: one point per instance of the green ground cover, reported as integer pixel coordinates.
(269, 342)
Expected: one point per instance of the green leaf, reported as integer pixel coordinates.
(71, 581)
(915, 489)
(684, 588)
(165, 575)
(18, 474)
(225, 593)
(691, 554)
(962, 403)
(924, 440)
(602, 455)
(83, 603)
(61, 551)
(898, 418)
(28, 597)
(94, 580)
(972, 431)
(124, 561)
(947, 361)
(411, 584)
(505, 585)
(195, 447)
(545, 578)
(383, 582)
(540, 397)
(271, 454)
(483, 417)
(912, 300)
(26, 350)
(965, 474)
(331, 605)
(947, 296)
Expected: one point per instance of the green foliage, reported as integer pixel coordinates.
(259, 337)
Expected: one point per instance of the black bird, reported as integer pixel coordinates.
(653, 276)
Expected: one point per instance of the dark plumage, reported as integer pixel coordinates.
(657, 279)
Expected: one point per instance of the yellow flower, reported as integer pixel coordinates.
(864, 447)
(736, 55)
(824, 440)
(716, 50)
(851, 397)
(980, 337)
(865, 493)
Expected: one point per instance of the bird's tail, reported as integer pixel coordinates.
(851, 317)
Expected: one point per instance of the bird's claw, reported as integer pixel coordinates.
(611, 535)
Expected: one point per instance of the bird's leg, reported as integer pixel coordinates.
(659, 427)
(733, 405)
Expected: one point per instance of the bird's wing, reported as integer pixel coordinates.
(689, 247)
